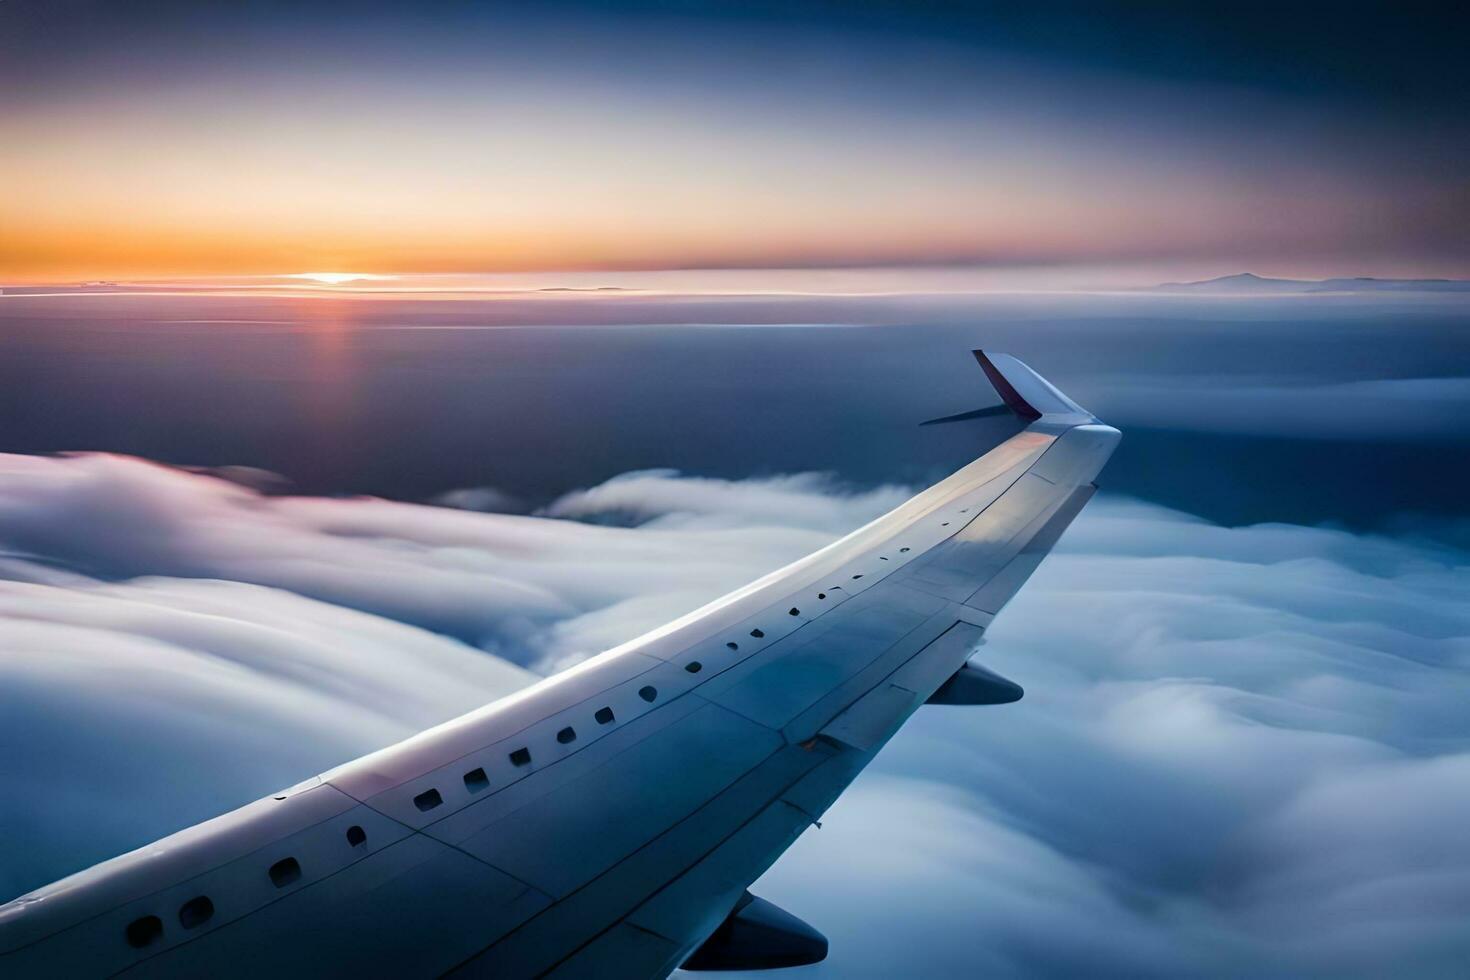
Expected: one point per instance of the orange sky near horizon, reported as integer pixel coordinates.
(154, 190)
(267, 158)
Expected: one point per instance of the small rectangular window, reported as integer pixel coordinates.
(604, 716)
(145, 931)
(285, 871)
(520, 757)
(428, 799)
(195, 912)
(476, 780)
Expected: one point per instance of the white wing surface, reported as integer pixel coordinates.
(607, 821)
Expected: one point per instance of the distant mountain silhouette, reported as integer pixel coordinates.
(1249, 282)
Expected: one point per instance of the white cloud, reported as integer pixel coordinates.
(1243, 751)
(513, 585)
(802, 500)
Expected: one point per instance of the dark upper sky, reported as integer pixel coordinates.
(175, 138)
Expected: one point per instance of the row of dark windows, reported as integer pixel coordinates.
(198, 910)
(145, 931)
(477, 781)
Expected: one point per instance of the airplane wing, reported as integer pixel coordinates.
(606, 821)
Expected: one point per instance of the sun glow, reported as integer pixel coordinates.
(335, 278)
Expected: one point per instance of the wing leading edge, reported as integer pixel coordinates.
(607, 820)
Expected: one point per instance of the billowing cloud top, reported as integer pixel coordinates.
(1243, 750)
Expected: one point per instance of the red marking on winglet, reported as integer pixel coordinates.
(1007, 393)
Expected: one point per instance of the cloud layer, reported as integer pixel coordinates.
(1243, 751)
(534, 591)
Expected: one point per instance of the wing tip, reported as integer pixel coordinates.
(1026, 393)
(1003, 387)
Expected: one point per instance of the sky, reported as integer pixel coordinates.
(168, 139)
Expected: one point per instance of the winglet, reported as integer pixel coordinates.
(1005, 389)
(1027, 393)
